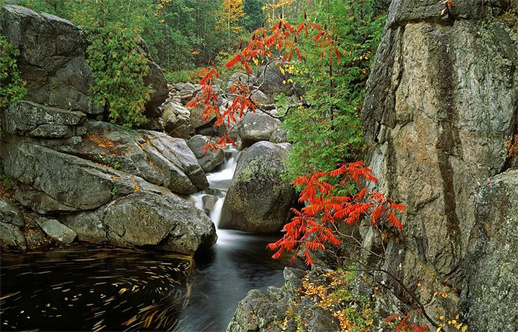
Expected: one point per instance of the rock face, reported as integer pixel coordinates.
(52, 58)
(258, 199)
(120, 176)
(176, 120)
(489, 299)
(441, 102)
(255, 127)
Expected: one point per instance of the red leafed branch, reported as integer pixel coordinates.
(405, 325)
(311, 228)
(281, 37)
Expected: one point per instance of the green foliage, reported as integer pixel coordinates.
(181, 34)
(117, 56)
(181, 76)
(119, 68)
(4, 180)
(59, 8)
(254, 14)
(186, 36)
(326, 128)
(114, 190)
(12, 87)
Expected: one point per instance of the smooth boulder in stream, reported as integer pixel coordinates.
(259, 199)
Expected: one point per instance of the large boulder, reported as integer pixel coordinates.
(155, 78)
(80, 185)
(440, 105)
(162, 220)
(283, 308)
(146, 218)
(273, 81)
(52, 58)
(259, 199)
(489, 299)
(176, 120)
(256, 126)
(83, 184)
(261, 310)
(100, 204)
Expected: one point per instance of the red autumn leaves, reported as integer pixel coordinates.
(313, 227)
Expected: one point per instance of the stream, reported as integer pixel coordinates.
(97, 288)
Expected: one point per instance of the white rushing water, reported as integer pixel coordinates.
(219, 182)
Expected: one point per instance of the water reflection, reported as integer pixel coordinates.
(234, 266)
(112, 289)
(72, 288)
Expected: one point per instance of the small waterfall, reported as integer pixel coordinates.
(219, 181)
(237, 263)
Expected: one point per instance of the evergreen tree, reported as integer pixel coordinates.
(254, 14)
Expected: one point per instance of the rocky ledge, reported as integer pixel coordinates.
(97, 182)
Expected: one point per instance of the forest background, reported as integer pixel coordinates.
(184, 36)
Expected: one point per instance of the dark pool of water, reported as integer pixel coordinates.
(89, 288)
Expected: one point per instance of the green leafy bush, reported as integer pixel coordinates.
(12, 87)
(325, 128)
(119, 69)
(118, 61)
(181, 76)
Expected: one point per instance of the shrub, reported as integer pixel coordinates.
(12, 87)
